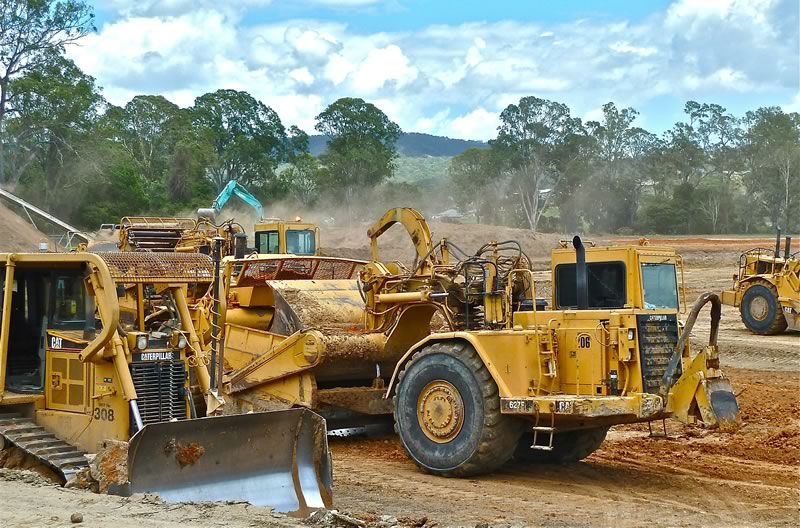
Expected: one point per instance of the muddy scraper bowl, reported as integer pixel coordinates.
(278, 459)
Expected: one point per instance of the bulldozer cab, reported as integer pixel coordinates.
(639, 277)
(278, 237)
(46, 309)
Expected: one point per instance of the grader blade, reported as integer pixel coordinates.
(278, 459)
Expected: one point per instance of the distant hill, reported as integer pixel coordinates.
(413, 144)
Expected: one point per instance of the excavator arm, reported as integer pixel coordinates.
(233, 188)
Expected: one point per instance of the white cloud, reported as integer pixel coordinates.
(478, 124)
(302, 75)
(380, 66)
(626, 47)
(443, 79)
(794, 104)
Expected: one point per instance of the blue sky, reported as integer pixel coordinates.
(450, 67)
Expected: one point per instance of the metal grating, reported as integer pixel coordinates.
(256, 271)
(159, 222)
(658, 335)
(132, 267)
(160, 388)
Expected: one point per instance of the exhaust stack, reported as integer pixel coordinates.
(787, 249)
(778, 244)
(581, 279)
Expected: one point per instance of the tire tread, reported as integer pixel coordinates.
(501, 432)
(778, 324)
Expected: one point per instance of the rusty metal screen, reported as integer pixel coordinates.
(256, 271)
(133, 267)
(158, 222)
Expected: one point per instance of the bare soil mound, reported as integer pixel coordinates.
(395, 244)
(17, 233)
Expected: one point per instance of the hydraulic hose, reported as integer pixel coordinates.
(716, 311)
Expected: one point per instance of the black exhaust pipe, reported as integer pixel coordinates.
(581, 276)
(778, 244)
(787, 250)
(240, 245)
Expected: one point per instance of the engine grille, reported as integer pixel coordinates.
(658, 335)
(160, 388)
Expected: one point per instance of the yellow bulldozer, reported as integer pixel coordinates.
(473, 368)
(766, 289)
(97, 347)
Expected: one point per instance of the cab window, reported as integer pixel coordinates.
(267, 242)
(660, 286)
(300, 242)
(606, 284)
(67, 311)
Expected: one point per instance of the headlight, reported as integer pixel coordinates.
(182, 341)
(631, 334)
(141, 342)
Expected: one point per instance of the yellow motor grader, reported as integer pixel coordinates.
(457, 348)
(97, 347)
(766, 289)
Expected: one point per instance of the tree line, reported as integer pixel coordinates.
(67, 149)
(711, 173)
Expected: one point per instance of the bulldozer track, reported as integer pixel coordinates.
(59, 455)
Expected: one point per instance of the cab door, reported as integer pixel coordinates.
(66, 380)
(67, 375)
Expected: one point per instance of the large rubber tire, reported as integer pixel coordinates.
(486, 439)
(569, 446)
(761, 312)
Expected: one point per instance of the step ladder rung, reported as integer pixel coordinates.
(543, 428)
(542, 447)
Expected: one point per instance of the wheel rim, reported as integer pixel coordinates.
(759, 308)
(440, 411)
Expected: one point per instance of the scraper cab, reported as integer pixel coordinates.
(98, 347)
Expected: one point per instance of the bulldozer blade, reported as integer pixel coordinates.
(278, 459)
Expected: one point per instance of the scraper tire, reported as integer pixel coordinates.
(761, 312)
(447, 413)
(569, 446)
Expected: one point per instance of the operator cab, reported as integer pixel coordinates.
(281, 238)
(639, 277)
(44, 302)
